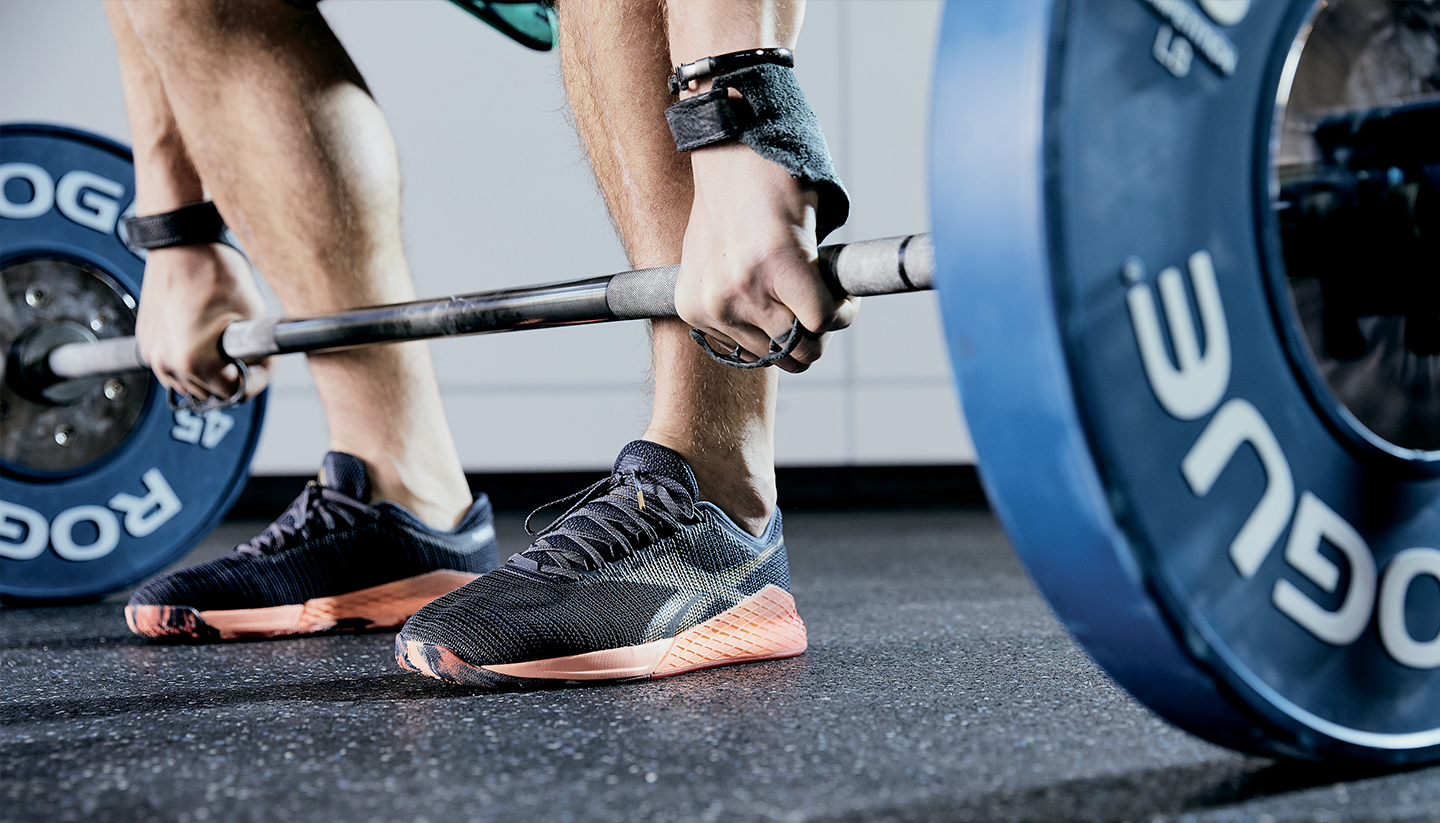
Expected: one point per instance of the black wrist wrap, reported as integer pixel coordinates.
(186, 226)
(776, 121)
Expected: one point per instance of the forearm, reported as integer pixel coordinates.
(165, 178)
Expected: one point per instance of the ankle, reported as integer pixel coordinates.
(750, 504)
(438, 515)
(739, 481)
(437, 503)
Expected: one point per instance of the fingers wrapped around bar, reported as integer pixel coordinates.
(765, 194)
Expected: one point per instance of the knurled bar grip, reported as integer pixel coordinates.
(890, 265)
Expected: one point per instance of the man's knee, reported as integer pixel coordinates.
(159, 21)
(214, 26)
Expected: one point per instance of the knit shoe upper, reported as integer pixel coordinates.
(332, 560)
(633, 569)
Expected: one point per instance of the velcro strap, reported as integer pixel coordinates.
(775, 120)
(707, 119)
(186, 226)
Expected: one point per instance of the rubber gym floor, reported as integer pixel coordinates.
(937, 687)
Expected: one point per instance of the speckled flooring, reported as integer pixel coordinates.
(937, 687)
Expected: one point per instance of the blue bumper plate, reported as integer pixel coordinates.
(108, 487)
(1150, 433)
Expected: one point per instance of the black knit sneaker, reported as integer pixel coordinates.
(635, 580)
(330, 563)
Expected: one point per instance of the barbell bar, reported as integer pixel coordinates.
(890, 265)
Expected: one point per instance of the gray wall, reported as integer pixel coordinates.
(498, 193)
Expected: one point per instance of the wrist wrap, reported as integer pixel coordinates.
(775, 120)
(186, 226)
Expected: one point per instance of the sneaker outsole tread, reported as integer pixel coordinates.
(765, 626)
(386, 606)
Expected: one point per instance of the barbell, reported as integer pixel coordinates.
(890, 265)
(1185, 255)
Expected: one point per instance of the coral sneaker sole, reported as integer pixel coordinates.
(766, 626)
(379, 607)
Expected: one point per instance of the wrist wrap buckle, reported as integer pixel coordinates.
(688, 73)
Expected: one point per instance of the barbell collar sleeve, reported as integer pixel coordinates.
(888, 265)
(115, 355)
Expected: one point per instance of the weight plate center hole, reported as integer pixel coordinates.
(61, 427)
(1355, 198)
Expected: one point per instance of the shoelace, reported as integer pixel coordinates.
(624, 515)
(316, 507)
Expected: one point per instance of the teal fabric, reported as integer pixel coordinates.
(530, 24)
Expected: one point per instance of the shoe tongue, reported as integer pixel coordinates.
(653, 458)
(639, 455)
(345, 473)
